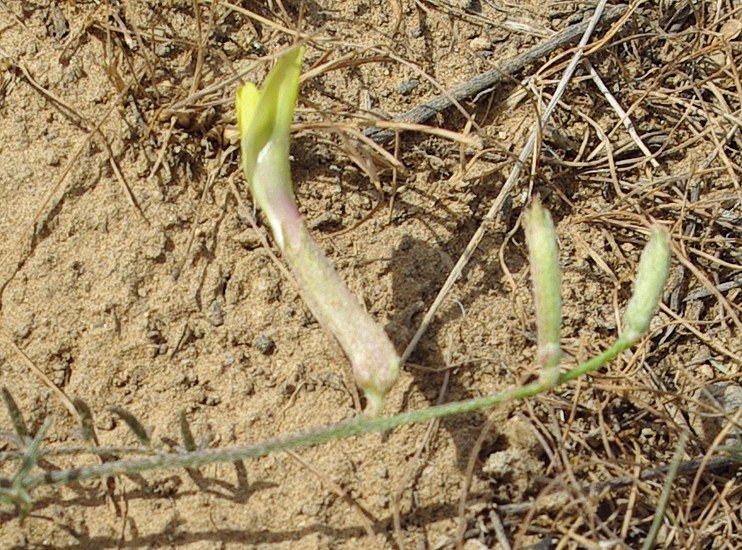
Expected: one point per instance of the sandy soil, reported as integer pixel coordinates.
(130, 277)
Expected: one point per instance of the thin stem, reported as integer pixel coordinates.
(351, 428)
(672, 473)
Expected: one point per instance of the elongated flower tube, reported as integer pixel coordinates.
(651, 277)
(546, 277)
(264, 119)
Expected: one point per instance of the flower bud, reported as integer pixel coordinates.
(654, 266)
(264, 118)
(545, 274)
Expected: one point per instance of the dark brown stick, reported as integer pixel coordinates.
(493, 77)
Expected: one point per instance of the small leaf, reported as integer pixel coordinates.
(185, 430)
(134, 425)
(15, 415)
(87, 427)
(19, 490)
(31, 456)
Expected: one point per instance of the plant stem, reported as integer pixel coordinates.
(351, 428)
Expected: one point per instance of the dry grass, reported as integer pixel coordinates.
(647, 131)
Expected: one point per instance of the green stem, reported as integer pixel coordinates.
(351, 428)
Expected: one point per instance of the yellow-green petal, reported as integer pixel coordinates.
(247, 101)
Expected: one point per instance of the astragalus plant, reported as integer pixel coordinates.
(264, 118)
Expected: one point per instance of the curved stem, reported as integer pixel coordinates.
(317, 436)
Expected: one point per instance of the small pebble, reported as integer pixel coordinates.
(216, 315)
(52, 158)
(311, 509)
(249, 239)
(480, 43)
(326, 221)
(212, 401)
(407, 86)
(264, 344)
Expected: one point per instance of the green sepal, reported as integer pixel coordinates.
(654, 266)
(265, 116)
(546, 276)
